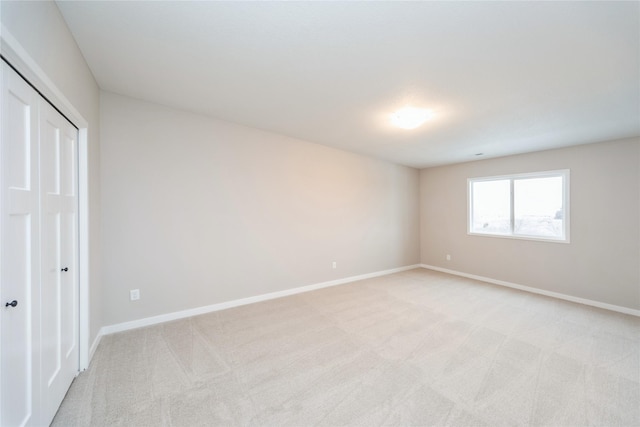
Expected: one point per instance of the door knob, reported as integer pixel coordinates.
(12, 303)
(65, 269)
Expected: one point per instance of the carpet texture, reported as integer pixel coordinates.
(412, 348)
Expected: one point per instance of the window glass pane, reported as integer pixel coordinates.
(538, 209)
(491, 207)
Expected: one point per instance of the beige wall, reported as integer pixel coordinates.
(602, 261)
(41, 31)
(199, 211)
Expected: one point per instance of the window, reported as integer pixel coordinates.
(528, 206)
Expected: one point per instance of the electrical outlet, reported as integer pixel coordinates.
(134, 294)
(334, 265)
(448, 257)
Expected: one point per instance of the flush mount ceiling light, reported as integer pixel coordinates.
(410, 117)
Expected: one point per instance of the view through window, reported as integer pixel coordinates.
(533, 205)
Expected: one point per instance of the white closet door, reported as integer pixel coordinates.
(19, 262)
(39, 255)
(59, 297)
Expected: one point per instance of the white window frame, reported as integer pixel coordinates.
(564, 173)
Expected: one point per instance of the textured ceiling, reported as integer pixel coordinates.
(501, 77)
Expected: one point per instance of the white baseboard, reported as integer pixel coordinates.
(558, 295)
(94, 346)
(148, 321)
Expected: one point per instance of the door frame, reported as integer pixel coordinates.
(20, 59)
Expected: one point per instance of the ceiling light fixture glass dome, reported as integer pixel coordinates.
(410, 117)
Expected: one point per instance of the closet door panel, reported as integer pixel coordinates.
(58, 166)
(69, 249)
(19, 262)
(51, 286)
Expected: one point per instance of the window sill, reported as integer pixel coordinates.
(518, 237)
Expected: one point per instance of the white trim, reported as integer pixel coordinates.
(148, 321)
(13, 51)
(94, 346)
(84, 302)
(611, 307)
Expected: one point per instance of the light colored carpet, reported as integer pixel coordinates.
(413, 348)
